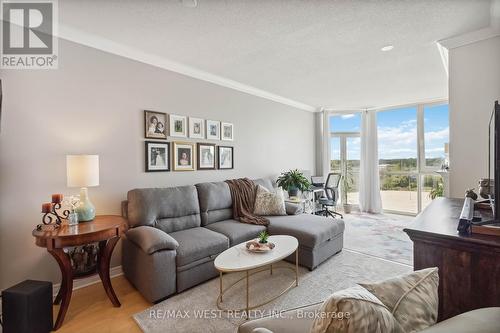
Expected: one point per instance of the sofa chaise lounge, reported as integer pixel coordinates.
(176, 233)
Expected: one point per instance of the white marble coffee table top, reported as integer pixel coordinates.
(238, 258)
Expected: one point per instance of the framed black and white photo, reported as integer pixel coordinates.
(206, 156)
(184, 156)
(196, 128)
(225, 157)
(227, 131)
(155, 124)
(213, 130)
(178, 126)
(157, 156)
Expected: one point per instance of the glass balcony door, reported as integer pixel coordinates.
(345, 152)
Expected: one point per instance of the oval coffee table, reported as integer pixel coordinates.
(239, 259)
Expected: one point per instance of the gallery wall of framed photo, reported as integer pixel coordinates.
(183, 154)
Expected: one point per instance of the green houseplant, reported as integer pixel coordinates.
(293, 181)
(263, 237)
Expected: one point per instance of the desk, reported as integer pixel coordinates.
(106, 230)
(469, 266)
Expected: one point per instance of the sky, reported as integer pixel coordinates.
(397, 132)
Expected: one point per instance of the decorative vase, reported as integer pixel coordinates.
(293, 192)
(85, 210)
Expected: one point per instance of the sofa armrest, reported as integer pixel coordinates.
(293, 209)
(151, 239)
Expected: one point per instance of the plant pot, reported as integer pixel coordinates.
(347, 208)
(293, 192)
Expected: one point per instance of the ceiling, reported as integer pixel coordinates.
(320, 53)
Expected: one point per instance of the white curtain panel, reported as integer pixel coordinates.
(369, 181)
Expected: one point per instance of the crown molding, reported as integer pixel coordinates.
(470, 37)
(109, 46)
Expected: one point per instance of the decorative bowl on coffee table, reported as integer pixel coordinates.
(257, 247)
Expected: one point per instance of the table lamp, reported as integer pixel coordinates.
(83, 171)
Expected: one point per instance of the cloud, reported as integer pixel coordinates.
(438, 135)
(347, 116)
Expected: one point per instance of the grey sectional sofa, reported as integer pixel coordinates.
(176, 233)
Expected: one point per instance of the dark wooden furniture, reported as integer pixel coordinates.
(469, 266)
(106, 230)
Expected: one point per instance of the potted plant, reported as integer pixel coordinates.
(263, 237)
(293, 181)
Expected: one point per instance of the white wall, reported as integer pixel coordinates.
(93, 104)
(474, 85)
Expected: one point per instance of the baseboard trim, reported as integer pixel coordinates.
(88, 281)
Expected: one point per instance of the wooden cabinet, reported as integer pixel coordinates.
(469, 266)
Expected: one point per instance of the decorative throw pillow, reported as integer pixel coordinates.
(269, 203)
(354, 310)
(411, 298)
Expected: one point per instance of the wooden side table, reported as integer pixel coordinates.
(104, 229)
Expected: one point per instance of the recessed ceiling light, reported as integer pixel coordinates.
(387, 48)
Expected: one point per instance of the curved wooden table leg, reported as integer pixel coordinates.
(58, 298)
(105, 252)
(64, 294)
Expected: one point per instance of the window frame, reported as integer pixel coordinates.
(343, 145)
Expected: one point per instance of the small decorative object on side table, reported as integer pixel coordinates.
(83, 171)
(261, 244)
(51, 217)
(105, 230)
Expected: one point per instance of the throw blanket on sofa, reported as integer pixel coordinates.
(243, 192)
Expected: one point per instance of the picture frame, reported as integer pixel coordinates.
(184, 156)
(155, 125)
(213, 130)
(227, 131)
(225, 157)
(157, 156)
(206, 156)
(178, 126)
(196, 128)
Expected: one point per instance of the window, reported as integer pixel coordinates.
(345, 152)
(436, 135)
(397, 135)
(412, 145)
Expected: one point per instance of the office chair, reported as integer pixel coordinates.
(332, 195)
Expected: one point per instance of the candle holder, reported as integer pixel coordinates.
(53, 215)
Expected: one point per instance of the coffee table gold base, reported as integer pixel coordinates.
(247, 308)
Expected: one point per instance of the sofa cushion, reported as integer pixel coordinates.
(267, 183)
(198, 243)
(151, 239)
(237, 232)
(411, 298)
(215, 202)
(269, 203)
(293, 208)
(485, 320)
(310, 230)
(366, 314)
(169, 209)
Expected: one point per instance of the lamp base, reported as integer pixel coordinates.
(85, 210)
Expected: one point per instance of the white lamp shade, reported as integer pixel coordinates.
(82, 170)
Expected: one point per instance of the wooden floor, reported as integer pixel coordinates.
(90, 310)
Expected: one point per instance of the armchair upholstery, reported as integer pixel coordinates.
(150, 239)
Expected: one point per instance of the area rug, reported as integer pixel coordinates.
(195, 309)
(379, 235)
